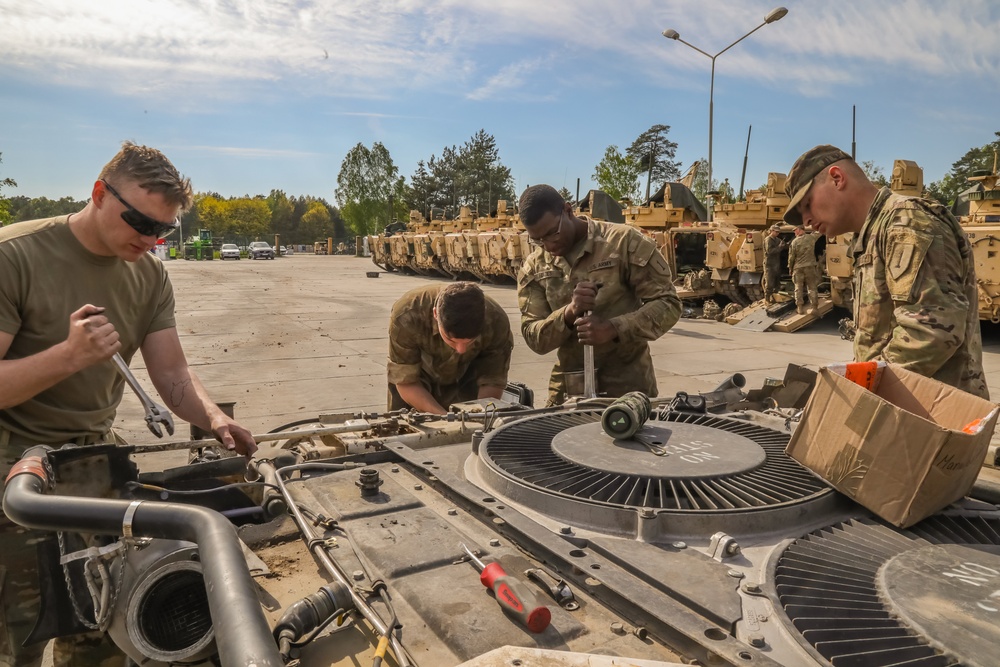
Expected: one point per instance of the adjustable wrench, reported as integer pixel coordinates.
(156, 414)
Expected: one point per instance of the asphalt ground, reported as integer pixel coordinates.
(291, 338)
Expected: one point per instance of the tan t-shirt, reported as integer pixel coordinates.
(46, 274)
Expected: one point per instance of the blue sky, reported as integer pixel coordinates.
(249, 95)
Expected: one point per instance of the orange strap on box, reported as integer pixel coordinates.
(862, 373)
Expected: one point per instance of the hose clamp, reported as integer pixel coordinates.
(127, 519)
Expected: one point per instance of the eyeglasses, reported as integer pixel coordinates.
(141, 222)
(550, 236)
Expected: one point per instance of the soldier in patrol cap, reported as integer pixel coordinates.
(914, 279)
(804, 268)
(592, 283)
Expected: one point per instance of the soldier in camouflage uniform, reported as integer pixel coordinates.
(447, 345)
(914, 279)
(594, 283)
(773, 246)
(804, 268)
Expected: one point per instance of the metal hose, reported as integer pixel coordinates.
(242, 633)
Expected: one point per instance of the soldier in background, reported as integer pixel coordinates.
(447, 345)
(914, 277)
(592, 283)
(773, 246)
(804, 268)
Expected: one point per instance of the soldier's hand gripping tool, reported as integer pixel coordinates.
(156, 414)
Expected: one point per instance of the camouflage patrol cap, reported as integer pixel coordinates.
(775, 228)
(801, 176)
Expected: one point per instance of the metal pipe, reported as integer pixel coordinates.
(316, 546)
(242, 633)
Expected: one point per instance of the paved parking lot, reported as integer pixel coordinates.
(298, 336)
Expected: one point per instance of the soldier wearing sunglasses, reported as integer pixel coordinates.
(74, 290)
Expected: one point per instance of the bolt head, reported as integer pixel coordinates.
(494, 543)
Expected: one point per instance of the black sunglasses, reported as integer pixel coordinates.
(141, 222)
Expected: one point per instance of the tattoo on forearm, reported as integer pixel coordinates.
(177, 393)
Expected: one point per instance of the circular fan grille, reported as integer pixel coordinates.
(523, 451)
(848, 588)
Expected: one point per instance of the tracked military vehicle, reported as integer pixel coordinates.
(981, 222)
(357, 539)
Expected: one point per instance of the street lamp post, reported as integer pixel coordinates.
(772, 16)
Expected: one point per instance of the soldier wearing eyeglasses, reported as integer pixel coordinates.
(592, 283)
(75, 290)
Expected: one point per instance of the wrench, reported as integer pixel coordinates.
(156, 414)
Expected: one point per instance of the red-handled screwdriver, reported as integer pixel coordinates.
(515, 598)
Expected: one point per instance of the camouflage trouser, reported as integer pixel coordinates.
(466, 389)
(772, 280)
(806, 282)
(19, 598)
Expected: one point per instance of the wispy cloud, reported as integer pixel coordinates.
(510, 78)
(374, 49)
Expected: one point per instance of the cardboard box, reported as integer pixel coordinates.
(902, 445)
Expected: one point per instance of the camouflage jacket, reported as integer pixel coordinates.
(417, 351)
(915, 292)
(802, 252)
(772, 252)
(637, 296)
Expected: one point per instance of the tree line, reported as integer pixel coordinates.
(370, 192)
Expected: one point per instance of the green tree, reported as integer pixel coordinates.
(654, 155)
(700, 186)
(282, 219)
(483, 178)
(874, 173)
(316, 222)
(370, 191)
(957, 180)
(617, 174)
(566, 194)
(248, 218)
(7, 182)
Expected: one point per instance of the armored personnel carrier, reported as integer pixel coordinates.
(735, 254)
(981, 223)
(358, 539)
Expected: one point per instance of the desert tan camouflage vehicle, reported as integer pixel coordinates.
(735, 254)
(982, 224)
(675, 219)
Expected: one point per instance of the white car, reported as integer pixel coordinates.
(229, 251)
(287, 250)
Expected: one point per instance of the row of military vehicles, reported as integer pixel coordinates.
(722, 257)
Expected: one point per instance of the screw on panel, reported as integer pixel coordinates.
(751, 587)
(452, 512)
(618, 628)
(566, 530)
(418, 487)
(735, 574)
(757, 641)
(358, 575)
(494, 543)
(679, 545)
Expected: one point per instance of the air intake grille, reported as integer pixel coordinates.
(863, 594)
(713, 464)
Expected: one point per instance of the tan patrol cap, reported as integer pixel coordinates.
(801, 176)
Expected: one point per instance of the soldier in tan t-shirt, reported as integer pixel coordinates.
(74, 290)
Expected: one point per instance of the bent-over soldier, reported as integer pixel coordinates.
(447, 345)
